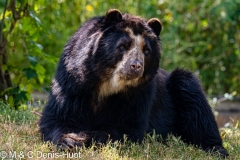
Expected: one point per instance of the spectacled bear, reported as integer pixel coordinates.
(108, 84)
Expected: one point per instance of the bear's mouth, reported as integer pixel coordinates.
(133, 76)
(130, 76)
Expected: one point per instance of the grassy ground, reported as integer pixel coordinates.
(19, 138)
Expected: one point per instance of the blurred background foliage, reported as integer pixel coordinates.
(202, 36)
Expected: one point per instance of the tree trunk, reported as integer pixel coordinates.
(3, 60)
(3, 84)
(5, 80)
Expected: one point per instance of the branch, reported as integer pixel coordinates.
(16, 13)
(37, 113)
(2, 22)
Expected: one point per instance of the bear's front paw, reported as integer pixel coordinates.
(71, 140)
(217, 149)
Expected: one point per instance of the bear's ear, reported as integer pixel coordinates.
(113, 16)
(156, 25)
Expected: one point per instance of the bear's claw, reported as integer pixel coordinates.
(71, 140)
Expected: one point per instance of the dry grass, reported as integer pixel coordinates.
(20, 137)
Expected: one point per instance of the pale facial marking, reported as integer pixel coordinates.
(117, 83)
(139, 42)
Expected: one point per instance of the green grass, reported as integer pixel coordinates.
(19, 134)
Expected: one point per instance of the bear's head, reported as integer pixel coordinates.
(128, 52)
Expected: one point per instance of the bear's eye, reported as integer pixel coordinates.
(122, 47)
(146, 52)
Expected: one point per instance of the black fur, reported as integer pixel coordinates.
(167, 103)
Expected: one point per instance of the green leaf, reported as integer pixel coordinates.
(33, 60)
(30, 73)
(23, 2)
(41, 73)
(39, 46)
(38, 21)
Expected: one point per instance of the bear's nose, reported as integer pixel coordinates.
(136, 65)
